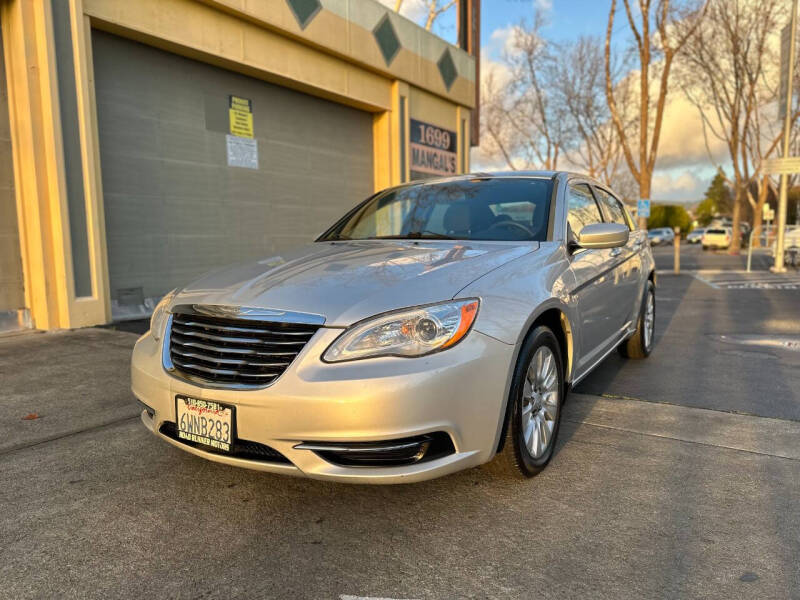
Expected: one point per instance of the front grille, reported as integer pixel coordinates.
(235, 351)
(240, 449)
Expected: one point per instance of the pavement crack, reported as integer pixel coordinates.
(717, 410)
(61, 436)
(677, 439)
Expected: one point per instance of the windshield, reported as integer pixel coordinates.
(474, 209)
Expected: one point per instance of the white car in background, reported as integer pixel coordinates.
(717, 237)
(791, 246)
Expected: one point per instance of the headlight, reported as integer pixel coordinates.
(160, 314)
(408, 332)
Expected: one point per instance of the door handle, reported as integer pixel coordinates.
(616, 251)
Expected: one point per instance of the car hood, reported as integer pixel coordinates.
(349, 281)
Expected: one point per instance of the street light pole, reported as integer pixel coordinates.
(787, 122)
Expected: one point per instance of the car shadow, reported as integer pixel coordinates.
(669, 295)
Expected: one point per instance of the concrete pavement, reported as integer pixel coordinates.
(622, 511)
(677, 476)
(693, 365)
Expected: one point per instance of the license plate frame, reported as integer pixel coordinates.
(193, 418)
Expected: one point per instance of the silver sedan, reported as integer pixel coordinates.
(435, 327)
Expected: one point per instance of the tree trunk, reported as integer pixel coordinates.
(736, 240)
(756, 230)
(758, 211)
(645, 178)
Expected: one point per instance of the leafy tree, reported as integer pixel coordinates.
(716, 202)
(669, 215)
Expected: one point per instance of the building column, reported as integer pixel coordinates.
(41, 191)
(390, 131)
(34, 119)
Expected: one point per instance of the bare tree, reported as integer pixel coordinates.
(499, 137)
(578, 84)
(432, 9)
(435, 11)
(674, 25)
(725, 71)
(762, 142)
(522, 116)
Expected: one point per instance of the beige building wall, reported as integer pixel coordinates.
(12, 287)
(354, 53)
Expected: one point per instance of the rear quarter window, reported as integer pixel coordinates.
(613, 212)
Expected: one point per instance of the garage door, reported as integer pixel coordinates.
(12, 294)
(174, 208)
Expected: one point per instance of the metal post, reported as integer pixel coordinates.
(677, 244)
(782, 198)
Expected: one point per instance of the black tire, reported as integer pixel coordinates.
(705, 247)
(636, 346)
(515, 459)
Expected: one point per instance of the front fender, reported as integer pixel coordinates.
(515, 296)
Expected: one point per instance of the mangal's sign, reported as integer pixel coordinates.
(433, 150)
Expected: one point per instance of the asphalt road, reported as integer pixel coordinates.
(692, 364)
(659, 488)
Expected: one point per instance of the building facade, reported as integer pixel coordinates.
(145, 142)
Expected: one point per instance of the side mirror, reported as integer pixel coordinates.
(603, 235)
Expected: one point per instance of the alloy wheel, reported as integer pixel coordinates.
(540, 402)
(649, 320)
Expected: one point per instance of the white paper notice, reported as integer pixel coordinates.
(242, 152)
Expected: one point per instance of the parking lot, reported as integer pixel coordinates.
(677, 476)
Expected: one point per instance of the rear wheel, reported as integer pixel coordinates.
(641, 343)
(537, 393)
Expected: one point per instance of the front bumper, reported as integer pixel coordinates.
(460, 391)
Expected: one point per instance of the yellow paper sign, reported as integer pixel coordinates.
(241, 117)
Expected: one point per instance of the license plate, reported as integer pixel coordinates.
(205, 422)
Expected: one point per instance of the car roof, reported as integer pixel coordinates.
(541, 174)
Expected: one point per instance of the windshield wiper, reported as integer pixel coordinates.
(415, 235)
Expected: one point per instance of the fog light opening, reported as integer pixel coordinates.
(150, 411)
(386, 453)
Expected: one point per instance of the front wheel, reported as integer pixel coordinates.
(641, 343)
(537, 393)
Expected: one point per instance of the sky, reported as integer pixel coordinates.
(683, 170)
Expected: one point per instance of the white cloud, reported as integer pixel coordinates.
(501, 42)
(412, 9)
(543, 5)
(681, 142)
(680, 185)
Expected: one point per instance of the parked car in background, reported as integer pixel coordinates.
(717, 237)
(438, 325)
(661, 236)
(695, 235)
(791, 247)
